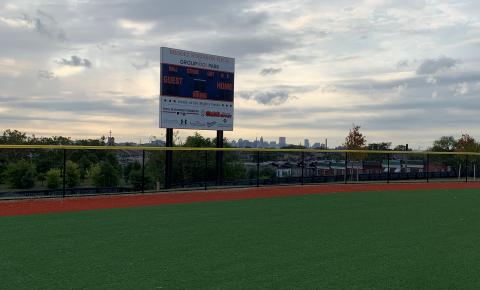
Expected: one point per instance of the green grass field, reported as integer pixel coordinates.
(369, 240)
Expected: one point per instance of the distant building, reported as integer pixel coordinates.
(306, 143)
(158, 143)
(282, 142)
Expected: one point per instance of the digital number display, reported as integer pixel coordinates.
(185, 82)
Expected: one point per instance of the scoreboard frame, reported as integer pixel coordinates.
(196, 90)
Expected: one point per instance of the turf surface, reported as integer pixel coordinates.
(368, 240)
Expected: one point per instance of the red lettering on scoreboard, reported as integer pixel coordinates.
(172, 80)
(199, 95)
(225, 86)
(193, 71)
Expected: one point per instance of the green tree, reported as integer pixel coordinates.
(72, 174)
(444, 144)
(355, 140)
(466, 143)
(402, 148)
(20, 174)
(13, 137)
(198, 140)
(234, 171)
(135, 177)
(104, 174)
(155, 168)
(54, 178)
(382, 146)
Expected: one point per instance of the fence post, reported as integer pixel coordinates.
(346, 167)
(64, 170)
(258, 168)
(303, 167)
(205, 175)
(143, 171)
(428, 167)
(219, 158)
(388, 167)
(169, 159)
(466, 168)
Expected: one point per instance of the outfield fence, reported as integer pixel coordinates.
(56, 170)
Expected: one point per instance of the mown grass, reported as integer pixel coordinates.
(369, 240)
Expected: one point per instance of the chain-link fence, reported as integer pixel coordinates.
(53, 171)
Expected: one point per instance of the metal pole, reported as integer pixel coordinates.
(219, 158)
(346, 165)
(474, 175)
(64, 170)
(205, 176)
(169, 159)
(466, 168)
(303, 167)
(143, 171)
(428, 167)
(258, 168)
(388, 167)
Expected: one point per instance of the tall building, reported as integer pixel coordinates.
(282, 142)
(306, 143)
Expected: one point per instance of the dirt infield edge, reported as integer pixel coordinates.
(71, 204)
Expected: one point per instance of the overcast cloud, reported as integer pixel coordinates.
(406, 71)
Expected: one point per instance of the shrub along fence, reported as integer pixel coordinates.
(55, 170)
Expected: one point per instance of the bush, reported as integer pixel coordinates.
(104, 175)
(54, 178)
(135, 179)
(72, 174)
(20, 174)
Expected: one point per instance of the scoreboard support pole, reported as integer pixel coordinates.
(219, 158)
(169, 159)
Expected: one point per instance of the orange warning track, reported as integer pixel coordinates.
(69, 204)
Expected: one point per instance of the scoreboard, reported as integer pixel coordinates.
(196, 90)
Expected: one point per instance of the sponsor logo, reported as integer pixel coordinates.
(197, 124)
(218, 114)
(210, 124)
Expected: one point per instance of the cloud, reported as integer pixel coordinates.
(431, 80)
(376, 55)
(432, 66)
(400, 88)
(75, 61)
(80, 105)
(43, 23)
(405, 65)
(141, 66)
(461, 89)
(136, 28)
(276, 95)
(45, 74)
(270, 71)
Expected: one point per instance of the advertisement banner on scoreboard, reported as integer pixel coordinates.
(196, 90)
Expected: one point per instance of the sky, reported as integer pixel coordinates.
(405, 71)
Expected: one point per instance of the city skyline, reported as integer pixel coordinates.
(406, 72)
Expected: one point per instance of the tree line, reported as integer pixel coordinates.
(43, 168)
